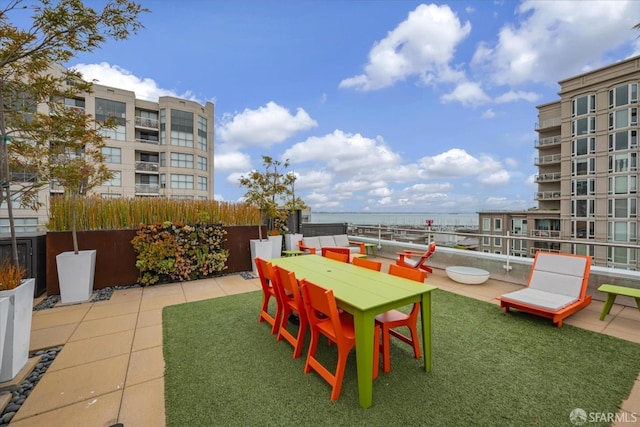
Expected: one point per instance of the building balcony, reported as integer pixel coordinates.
(548, 160)
(147, 141)
(153, 189)
(148, 123)
(549, 123)
(547, 195)
(549, 177)
(548, 142)
(147, 167)
(553, 234)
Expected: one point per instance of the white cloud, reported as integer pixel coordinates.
(115, 76)
(457, 163)
(422, 45)
(488, 114)
(468, 94)
(263, 127)
(232, 161)
(554, 39)
(513, 96)
(496, 178)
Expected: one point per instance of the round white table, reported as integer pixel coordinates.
(467, 275)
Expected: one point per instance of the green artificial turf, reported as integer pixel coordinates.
(223, 368)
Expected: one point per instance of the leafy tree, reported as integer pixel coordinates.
(270, 190)
(40, 140)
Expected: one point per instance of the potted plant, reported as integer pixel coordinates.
(77, 165)
(16, 303)
(265, 190)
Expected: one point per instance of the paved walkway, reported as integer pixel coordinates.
(111, 369)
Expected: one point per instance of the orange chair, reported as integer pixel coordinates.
(336, 254)
(324, 319)
(286, 286)
(367, 263)
(266, 274)
(394, 319)
(405, 258)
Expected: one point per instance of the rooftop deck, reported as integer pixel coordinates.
(111, 369)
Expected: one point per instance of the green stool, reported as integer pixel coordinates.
(292, 252)
(612, 292)
(372, 246)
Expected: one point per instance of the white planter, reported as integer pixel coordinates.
(276, 249)
(15, 346)
(75, 274)
(260, 249)
(5, 303)
(291, 241)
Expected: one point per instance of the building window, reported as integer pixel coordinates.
(112, 154)
(583, 208)
(21, 225)
(497, 224)
(115, 181)
(621, 231)
(583, 187)
(486, 240)
(181, 128)
(622, 208)
(202, 133)
(486, 224)
(182, 197)
(163, 127)
(581, 167)
(202, 163)
(163, 159)
(623, 95)
(519, 226)
(182, 160)
(583, 146)
(621, 258)
(626, 184)
(202, 183)
(110, 195)
(583, 105)
(623, 162)
(182, 181)
(105, 109)
(497, 241)
(626, 140)
(583, 229)
(623, 118)
(583, 126)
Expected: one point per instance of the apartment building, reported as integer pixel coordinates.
(587, 172)
(158, 149)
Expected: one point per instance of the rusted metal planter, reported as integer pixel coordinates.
(116, 259)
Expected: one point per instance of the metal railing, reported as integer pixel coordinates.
(147, 122)
(547, 195)
(552, 140)
(147, 188)
(549, 123)
(147, 166)
(549, 177)
(546, 160)
(148, 141)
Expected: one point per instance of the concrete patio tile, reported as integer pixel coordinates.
(143, 404)
(105, 326)
(202, 289)
(101, 311)
(93, 349)
(630, 313)
(58, 389)
(145, 365)
(149, 318)
(51, 337)
(59, 316)
(162, 290)
(161, 301)
(97, 411)
(625, 325)
(124, 295)
(236, 284)
(632, 403)
(624, 334)
(586, 323)
(148, 337)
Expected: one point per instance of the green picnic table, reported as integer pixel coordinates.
(612, 292)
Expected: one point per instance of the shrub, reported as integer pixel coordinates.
(10, 275)
(171, 251)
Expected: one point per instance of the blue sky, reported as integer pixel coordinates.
(380, 106)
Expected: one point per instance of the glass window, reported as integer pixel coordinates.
(497, 241)
(497, 224)
(181, 181)
(202, 163)
(181, 128)
(486, 224)
(583, 166)
(112, 154)
(623, 162)
(202, 133)
(182, 160)
(116, 180)
(202, 183)
(21, 225)
(163, 127)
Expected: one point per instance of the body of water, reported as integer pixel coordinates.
(398, 219)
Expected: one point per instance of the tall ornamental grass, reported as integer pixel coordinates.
(96, 213)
